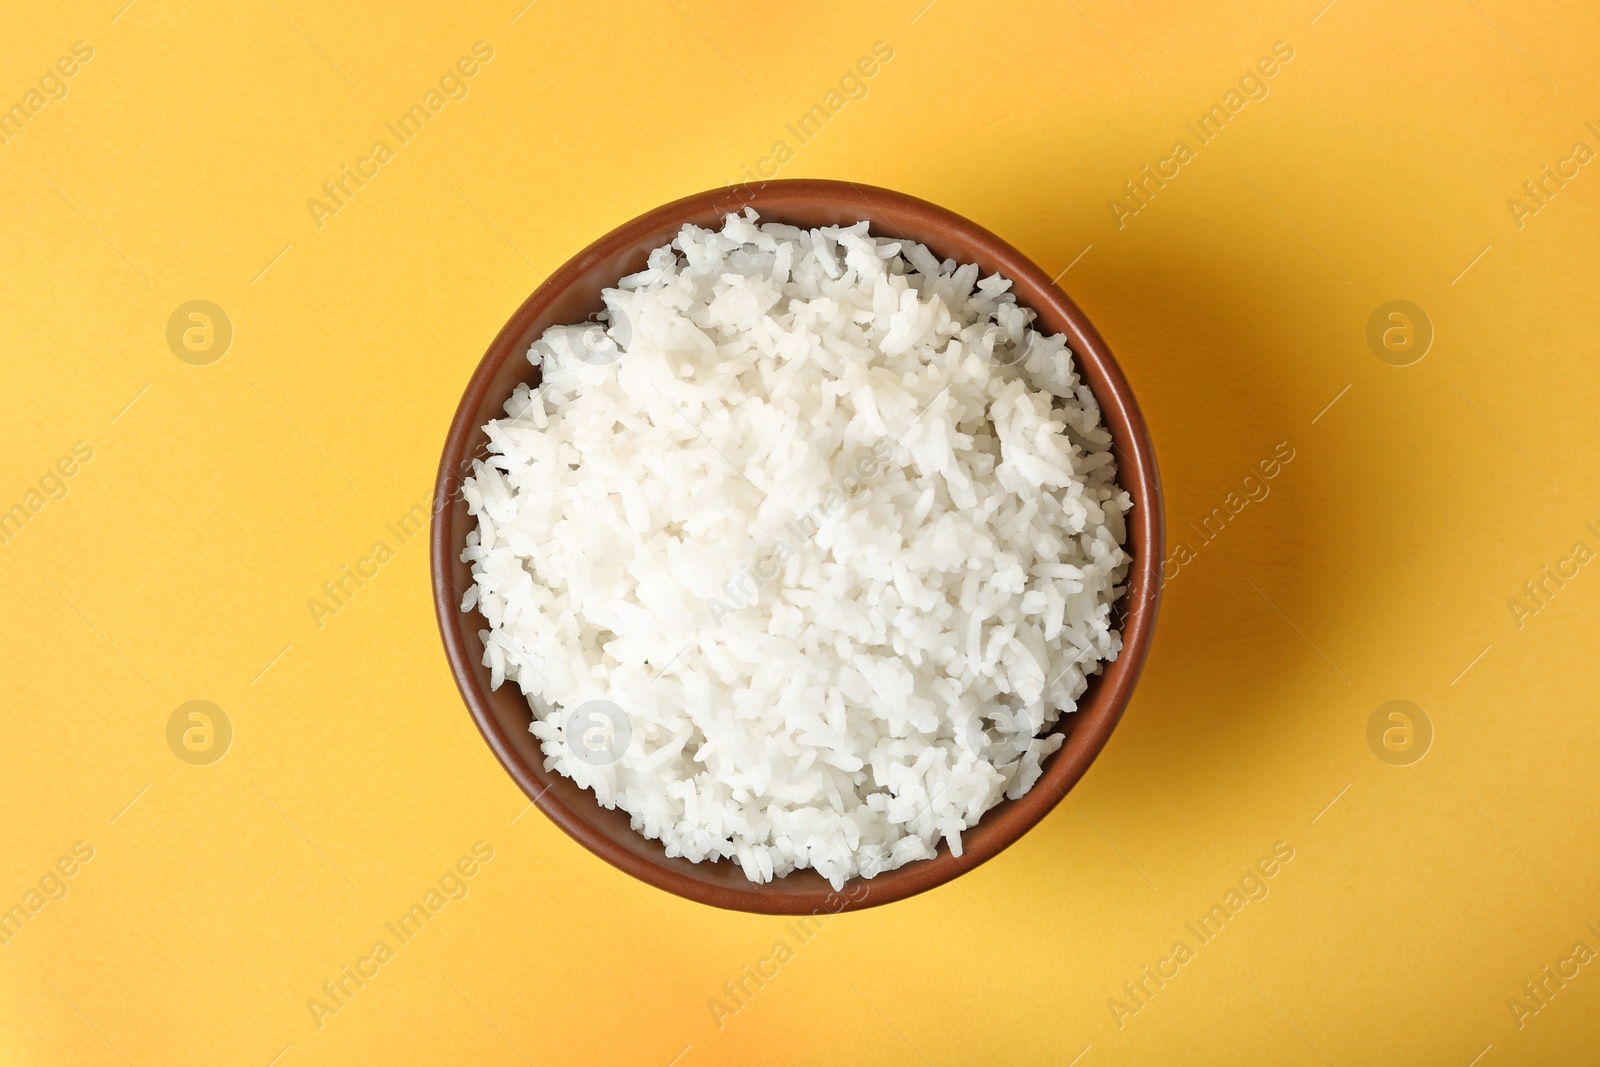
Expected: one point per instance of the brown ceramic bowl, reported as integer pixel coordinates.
(571, 295)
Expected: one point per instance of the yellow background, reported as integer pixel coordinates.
(180, 563)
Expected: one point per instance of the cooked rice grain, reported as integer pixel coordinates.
(801, 549)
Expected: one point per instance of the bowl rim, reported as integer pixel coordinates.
(1099, 709)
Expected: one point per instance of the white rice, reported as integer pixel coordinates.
(801, 549)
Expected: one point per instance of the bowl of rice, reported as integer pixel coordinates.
(795, 546)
